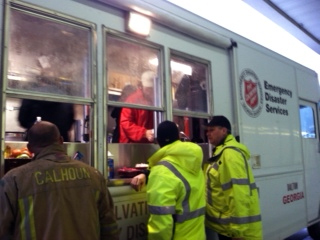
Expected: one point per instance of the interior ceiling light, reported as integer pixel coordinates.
(175, 66)
(139, 24)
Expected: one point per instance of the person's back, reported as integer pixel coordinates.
(176, 190)
(55, 197)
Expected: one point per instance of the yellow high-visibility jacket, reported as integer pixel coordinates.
(176, 193)
(233, 207)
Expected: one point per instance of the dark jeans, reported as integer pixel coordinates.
(222, 237)
(211, 234)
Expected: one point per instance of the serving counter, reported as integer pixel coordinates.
(131, 207)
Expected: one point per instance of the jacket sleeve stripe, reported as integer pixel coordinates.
(235, 220)
(27, 226)
(241, 181)
(97, 195)
(189, 215)
(161, 210)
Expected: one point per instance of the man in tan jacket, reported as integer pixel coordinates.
(53, 196)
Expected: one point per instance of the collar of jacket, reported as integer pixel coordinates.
(55, 152)
(217, 151)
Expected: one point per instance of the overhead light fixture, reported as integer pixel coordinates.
(139, 24)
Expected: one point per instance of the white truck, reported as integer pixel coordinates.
(272, 102)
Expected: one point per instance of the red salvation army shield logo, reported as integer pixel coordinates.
(251, 97)
(251, 93)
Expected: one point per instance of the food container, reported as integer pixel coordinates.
(142, 165)
(110, 166)
(126, 172)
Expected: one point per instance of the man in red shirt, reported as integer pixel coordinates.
(136, 125)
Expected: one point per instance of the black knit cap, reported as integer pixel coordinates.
(167, 132)
(220, 121)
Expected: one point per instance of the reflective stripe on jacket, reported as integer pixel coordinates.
(54, 197)
(176, 193)
(232, 197)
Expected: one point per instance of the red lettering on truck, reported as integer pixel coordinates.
(292, 197)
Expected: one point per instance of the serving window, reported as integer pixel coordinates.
(189, 80)
(189, 84)
(47, 55)
(127, 61)
(134, 88)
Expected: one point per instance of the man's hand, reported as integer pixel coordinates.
(150, 135)
(138, 182)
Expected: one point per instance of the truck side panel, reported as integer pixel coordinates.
(270, 127)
